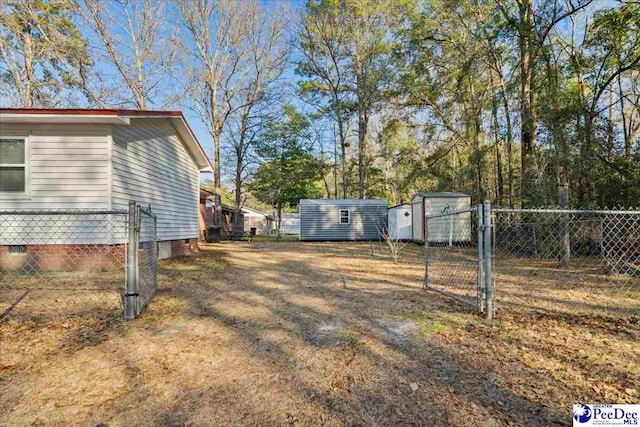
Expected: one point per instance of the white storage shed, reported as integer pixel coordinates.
(442, 230)
(399, 222)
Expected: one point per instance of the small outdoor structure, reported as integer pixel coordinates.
(399, 222)
(261, 221)
(290, 223)
(342, 219)
(434, 203)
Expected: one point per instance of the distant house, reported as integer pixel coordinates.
(342, 219)
(229, 223)
(101, 159)
(263, 223)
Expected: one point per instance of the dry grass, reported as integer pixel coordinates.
(310, 334)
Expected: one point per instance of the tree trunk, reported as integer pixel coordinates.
(627, 136)
(507, 117)
(217, 134)
(496, 133)
(279, 224)
(335, 163)
(237, 226)
(526, 33)
(28, 69)
(611, 126)
(362, 136)
(343, 148)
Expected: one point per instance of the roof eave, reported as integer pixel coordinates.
(64, 118)
(114, 117)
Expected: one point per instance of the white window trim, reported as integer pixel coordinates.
(27, 177)
(348, 211)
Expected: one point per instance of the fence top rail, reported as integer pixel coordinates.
(472, 209)
(63, 212)
(569, 211)
(147, 212)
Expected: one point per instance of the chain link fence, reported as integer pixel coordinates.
(567, 263)
(147, 257)
(453, 255)
(522, 262)
(60, 263)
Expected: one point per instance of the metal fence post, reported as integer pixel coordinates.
(479, 283)
(425, 282)
(565, 236)
(132, 293)
(488, 251)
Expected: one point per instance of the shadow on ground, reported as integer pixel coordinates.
(292, 333)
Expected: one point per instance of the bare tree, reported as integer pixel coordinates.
(232, 57)
(268, 48)
(132, 37)
(392, 241)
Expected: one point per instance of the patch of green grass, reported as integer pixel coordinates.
(274, 238)
(195, 268)
(435, 321)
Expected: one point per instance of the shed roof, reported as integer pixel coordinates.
(344, 202)
(440, 194)
(401, 205)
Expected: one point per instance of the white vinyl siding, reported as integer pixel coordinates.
(151, 166)
(66, 168)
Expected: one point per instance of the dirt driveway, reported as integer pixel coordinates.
(307, 334)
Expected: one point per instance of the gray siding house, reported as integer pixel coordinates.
(342, 219)
(101, 159)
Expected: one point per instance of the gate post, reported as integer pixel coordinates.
(488, 250)
(425, 282)
(565, 236)
(479, 283)
(131, 292)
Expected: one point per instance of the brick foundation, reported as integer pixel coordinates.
(82, 257)
(64, 258)
(182, 247)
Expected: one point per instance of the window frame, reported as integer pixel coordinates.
(27, 181)
(348, 211)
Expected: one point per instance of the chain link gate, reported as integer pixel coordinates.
(59, 263)
(563, 263)
(457, 256)
(142, 263)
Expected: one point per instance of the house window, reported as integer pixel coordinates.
(345, 216)
(13, 166)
